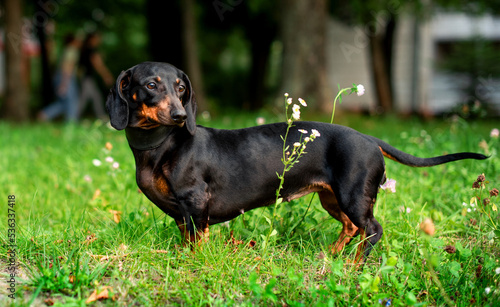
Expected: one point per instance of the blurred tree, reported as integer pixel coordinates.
(40, 27)
(164, 24)
(303, 33)
(240, 32)
(173, 39)
(15, 106)
(261, 28)
(378, 20)
(192, 58)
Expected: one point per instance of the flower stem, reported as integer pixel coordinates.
(339, 95)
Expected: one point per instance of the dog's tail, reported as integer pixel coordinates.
(410, 160)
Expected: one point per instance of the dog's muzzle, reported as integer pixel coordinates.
(178, 116)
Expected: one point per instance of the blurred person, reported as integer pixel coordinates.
(65, 82)
(91, 65)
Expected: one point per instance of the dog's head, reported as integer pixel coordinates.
(150, 95)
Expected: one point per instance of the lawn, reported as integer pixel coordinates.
(85, 233)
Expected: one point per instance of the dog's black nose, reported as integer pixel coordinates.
(178, 116)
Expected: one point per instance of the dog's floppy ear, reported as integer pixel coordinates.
(189, 103)
(117, 104)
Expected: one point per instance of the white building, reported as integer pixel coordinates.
(416, 79)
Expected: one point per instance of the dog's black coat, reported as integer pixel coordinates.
(202, 176)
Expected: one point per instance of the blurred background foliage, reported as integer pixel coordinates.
(239, 54)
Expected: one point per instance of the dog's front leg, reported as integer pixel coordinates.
(195, 234)
(194, 225)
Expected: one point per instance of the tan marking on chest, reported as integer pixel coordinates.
(160, 184)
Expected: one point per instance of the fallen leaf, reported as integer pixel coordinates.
(117, 215)
(96, 195)
(103, 294)
(233, 241)
(108, 146)
(252, 243)
(450, 249)
(428, 227)
(161, 251)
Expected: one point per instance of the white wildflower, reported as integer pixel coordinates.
(96, 162)
(289, 101)
(302, 102)
(303, 131)
(487, 290)
(296, 144)
(109, 159)
(296, 112)
(116, 165)
(315, 133)
(360, 89)
(497, 271)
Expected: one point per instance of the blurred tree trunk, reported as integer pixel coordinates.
(380, 75)
(381, 43)
(172, 39)
(303, 30)
(47, 90)
(260, 49)
(261, 30)
(191, 58)
(15, 107)
(165, 31)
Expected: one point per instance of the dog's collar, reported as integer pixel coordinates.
(142, 139)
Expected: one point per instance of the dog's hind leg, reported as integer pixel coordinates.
(349, 230)
(358, 204)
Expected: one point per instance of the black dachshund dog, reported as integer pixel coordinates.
(202, 176)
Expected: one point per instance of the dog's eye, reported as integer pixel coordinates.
(151, 85)
(182, 88)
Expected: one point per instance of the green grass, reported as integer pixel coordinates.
(70, 245)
